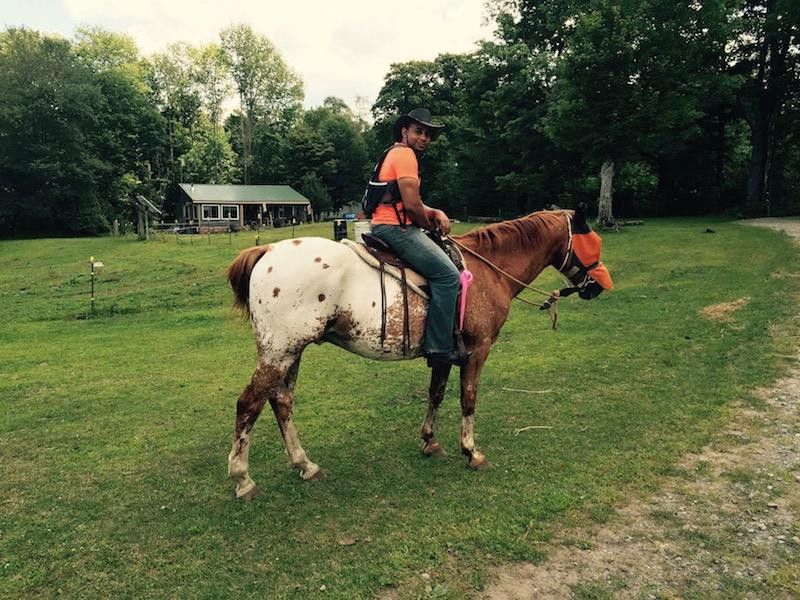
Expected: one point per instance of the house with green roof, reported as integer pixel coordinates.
(213, 208)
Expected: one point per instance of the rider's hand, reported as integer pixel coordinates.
(441, 222)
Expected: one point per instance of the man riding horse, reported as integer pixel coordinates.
(313, 290)
(399, 221)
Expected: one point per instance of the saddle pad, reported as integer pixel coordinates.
(414, 279)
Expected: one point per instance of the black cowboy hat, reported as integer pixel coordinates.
(418, 115)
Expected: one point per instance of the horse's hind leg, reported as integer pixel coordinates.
(273, 383)
(265, 384)
(439, 375)
(282, 407)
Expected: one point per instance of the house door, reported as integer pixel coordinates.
(251, 214)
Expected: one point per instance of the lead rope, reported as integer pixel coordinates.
(551, 304)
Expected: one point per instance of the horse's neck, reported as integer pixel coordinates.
(524, 267)
(524, 263)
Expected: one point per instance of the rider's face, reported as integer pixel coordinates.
(417, 136)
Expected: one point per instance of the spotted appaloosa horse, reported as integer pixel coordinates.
(314, 290)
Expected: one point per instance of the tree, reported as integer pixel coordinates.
(327, 141)
(338, 126)
(102, 50)
(767, 53)
(210, 158)
(131, 132)
(176, 94)
(212, 75)
(269, 149)
(49, 158)
(312, 187)
(506, 165)
(596, 103)
(268, 89)
(306, 150)
(627, 78)
(784, 172)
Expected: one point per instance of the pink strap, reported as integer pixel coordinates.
(465, 279)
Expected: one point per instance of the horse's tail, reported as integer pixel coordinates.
(239, 275)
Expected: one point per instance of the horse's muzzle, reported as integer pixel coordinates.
(590, 290)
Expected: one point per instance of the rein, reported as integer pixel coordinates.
(551, 304)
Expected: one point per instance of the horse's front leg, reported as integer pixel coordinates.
(439, 375)
(469, 392)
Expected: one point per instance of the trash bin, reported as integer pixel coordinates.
(360, 228)
(339, 229)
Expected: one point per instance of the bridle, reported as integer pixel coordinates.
(574, 270)
(568, 253)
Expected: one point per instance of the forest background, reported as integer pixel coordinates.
(639, 108)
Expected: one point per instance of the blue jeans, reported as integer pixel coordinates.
(430, 261)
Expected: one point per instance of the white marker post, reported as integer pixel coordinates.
(94, 265)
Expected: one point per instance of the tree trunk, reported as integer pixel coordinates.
(771, 93)
(605, 219)
(759, 142)
(247, 145)
(719, 165)
(245, 128)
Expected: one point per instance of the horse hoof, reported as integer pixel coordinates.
(251, 494)
(434, 450)
(313, 474)
(479, 464)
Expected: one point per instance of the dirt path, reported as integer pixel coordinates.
(728, 528)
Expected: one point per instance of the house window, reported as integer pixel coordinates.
(211, 212)
(230, 212)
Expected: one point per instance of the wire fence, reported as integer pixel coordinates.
(190, 234)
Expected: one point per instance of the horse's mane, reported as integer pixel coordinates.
(517, 235)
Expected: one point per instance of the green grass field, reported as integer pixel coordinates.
(115, 427)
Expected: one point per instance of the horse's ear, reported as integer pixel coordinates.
(580, 213)
(579, 220)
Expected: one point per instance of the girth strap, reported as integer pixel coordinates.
(406, 331)
(383, 304)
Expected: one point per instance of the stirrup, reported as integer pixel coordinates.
(459, 358)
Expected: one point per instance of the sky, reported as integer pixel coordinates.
(342, 48)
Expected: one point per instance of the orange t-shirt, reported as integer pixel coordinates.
(399, 163)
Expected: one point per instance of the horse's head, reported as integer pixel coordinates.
(581, 262)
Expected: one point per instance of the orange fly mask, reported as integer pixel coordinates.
(582, 265)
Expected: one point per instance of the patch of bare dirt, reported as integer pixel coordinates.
(728, 527)
(722, 311)
(790, 227)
